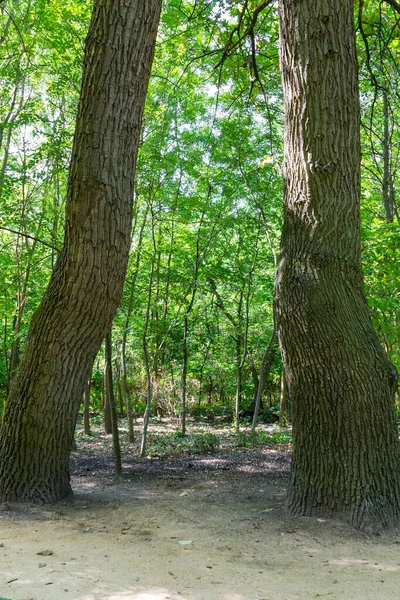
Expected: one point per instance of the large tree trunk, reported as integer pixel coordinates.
(85, 288)
(346, 450)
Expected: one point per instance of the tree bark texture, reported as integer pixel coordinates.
(85, 287)
(346, 449)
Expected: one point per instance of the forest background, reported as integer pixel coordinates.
(196, 315)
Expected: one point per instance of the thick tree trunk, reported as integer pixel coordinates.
(346, 449)
(85, 288)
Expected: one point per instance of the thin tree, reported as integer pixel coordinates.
(265, 368)
(146, 353)
(86, 407)
(132, 284)
(196, 267)
(86, 285)
(113, 406)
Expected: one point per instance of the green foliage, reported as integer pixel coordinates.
(175, 445)
(269, 414)
(257, 438)
(212, 411)
(96, 384)
(208, 181)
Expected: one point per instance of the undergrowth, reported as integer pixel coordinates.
(256, 439)
(176, 445)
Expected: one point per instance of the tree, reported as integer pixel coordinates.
(113, 406)
(345, 439)
(85, 288)
(379, 70)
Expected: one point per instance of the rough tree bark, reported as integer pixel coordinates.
(85, 288)
(346, 449)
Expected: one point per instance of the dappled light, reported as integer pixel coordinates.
(151, 594)
(350, 561)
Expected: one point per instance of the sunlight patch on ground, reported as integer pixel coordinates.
(156, 594)
(349, 561)
(84, 484)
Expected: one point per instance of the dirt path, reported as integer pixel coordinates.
(125, 542)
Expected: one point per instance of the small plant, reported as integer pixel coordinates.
(270, 414)
(281, 437)
(212, 411)
(97, 419)
(205, 443)
(250, 439)
(254, 439)
(176, 445)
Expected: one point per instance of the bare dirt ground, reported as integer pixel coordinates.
(192, 528)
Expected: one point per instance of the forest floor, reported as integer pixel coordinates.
(188, 528)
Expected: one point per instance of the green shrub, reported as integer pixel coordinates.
(250, 439)
(176, 445)
(270, 414)
(281, 437)
(205, 443)
(210, 411)
(254, 439)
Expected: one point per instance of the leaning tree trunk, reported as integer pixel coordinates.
(86, 285)
(345, 439)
